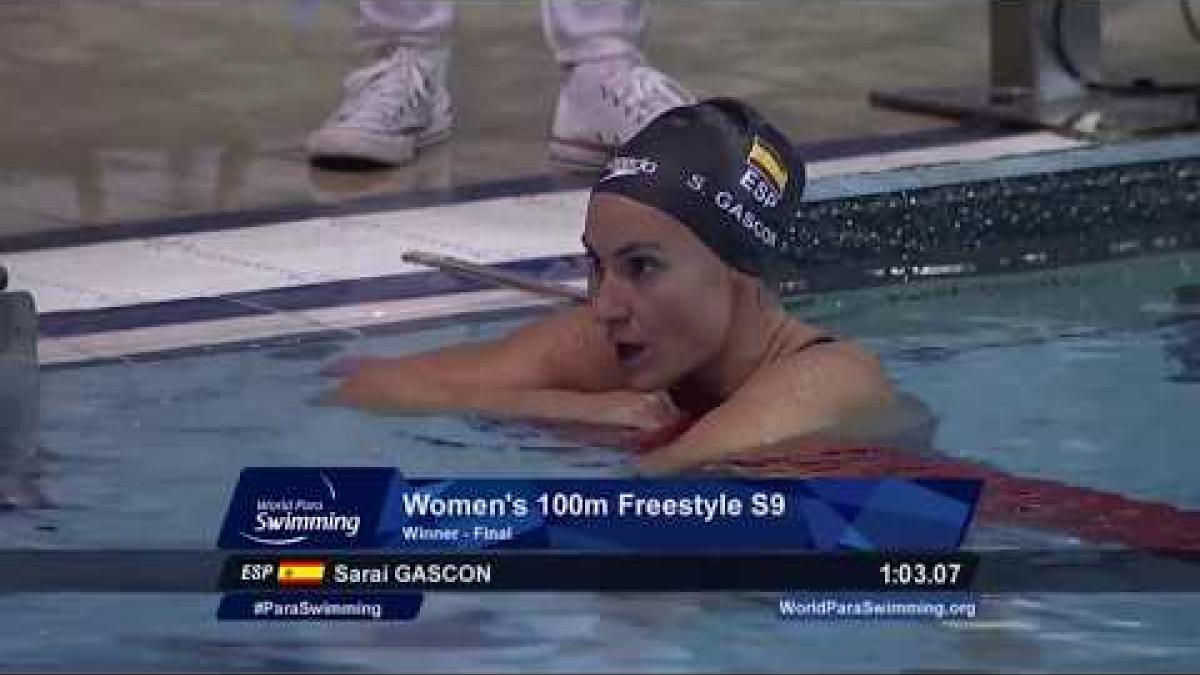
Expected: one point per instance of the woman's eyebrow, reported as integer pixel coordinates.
(632, 247)
(637, 247)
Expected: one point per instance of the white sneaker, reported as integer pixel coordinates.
(391, 109)
(605, 103)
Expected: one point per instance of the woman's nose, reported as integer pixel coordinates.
(608, 301)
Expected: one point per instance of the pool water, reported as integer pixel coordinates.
(1088, 375)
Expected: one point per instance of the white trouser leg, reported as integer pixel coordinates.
(423, 24)
(587, 30)
(609, 92)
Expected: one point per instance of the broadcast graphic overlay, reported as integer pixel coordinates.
(365, 543)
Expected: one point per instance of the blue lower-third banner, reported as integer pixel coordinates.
(378, 508)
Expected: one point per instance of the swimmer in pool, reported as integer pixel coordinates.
(683, 336)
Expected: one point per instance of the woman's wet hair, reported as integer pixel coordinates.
(723, 171)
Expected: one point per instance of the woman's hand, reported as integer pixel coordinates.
(362, 389)
(633, 409)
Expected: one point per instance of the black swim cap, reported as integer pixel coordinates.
(722, 170)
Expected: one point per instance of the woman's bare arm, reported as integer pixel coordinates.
(557, 368)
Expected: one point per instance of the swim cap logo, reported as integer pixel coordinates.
(766, 174)
(629, 166)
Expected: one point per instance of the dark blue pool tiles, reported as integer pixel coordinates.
(208, 222)
(1109, 155)
(1044, 254)
(1075, 208)
(298, 298)
(83, 322)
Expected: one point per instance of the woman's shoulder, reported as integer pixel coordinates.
(803, 341)
(817, 358)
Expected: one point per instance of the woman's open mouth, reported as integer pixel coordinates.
(629, 353)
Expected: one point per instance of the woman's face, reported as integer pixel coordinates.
(664, 299)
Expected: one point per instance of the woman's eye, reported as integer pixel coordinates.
(646, 267)
(641, 267)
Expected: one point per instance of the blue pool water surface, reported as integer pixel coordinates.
(1088, 375)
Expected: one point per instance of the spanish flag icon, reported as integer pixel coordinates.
(301, 572)
(766, 160)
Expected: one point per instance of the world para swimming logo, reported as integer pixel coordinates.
(299, 514)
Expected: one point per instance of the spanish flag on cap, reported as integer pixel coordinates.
(301, 572)
(764, 158)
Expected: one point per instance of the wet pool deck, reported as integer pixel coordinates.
(141, 109)
(124, 119)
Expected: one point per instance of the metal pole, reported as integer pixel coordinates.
(19, 400)
(1045, 49)
(1046, 71)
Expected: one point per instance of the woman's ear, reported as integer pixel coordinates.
(746, 286)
